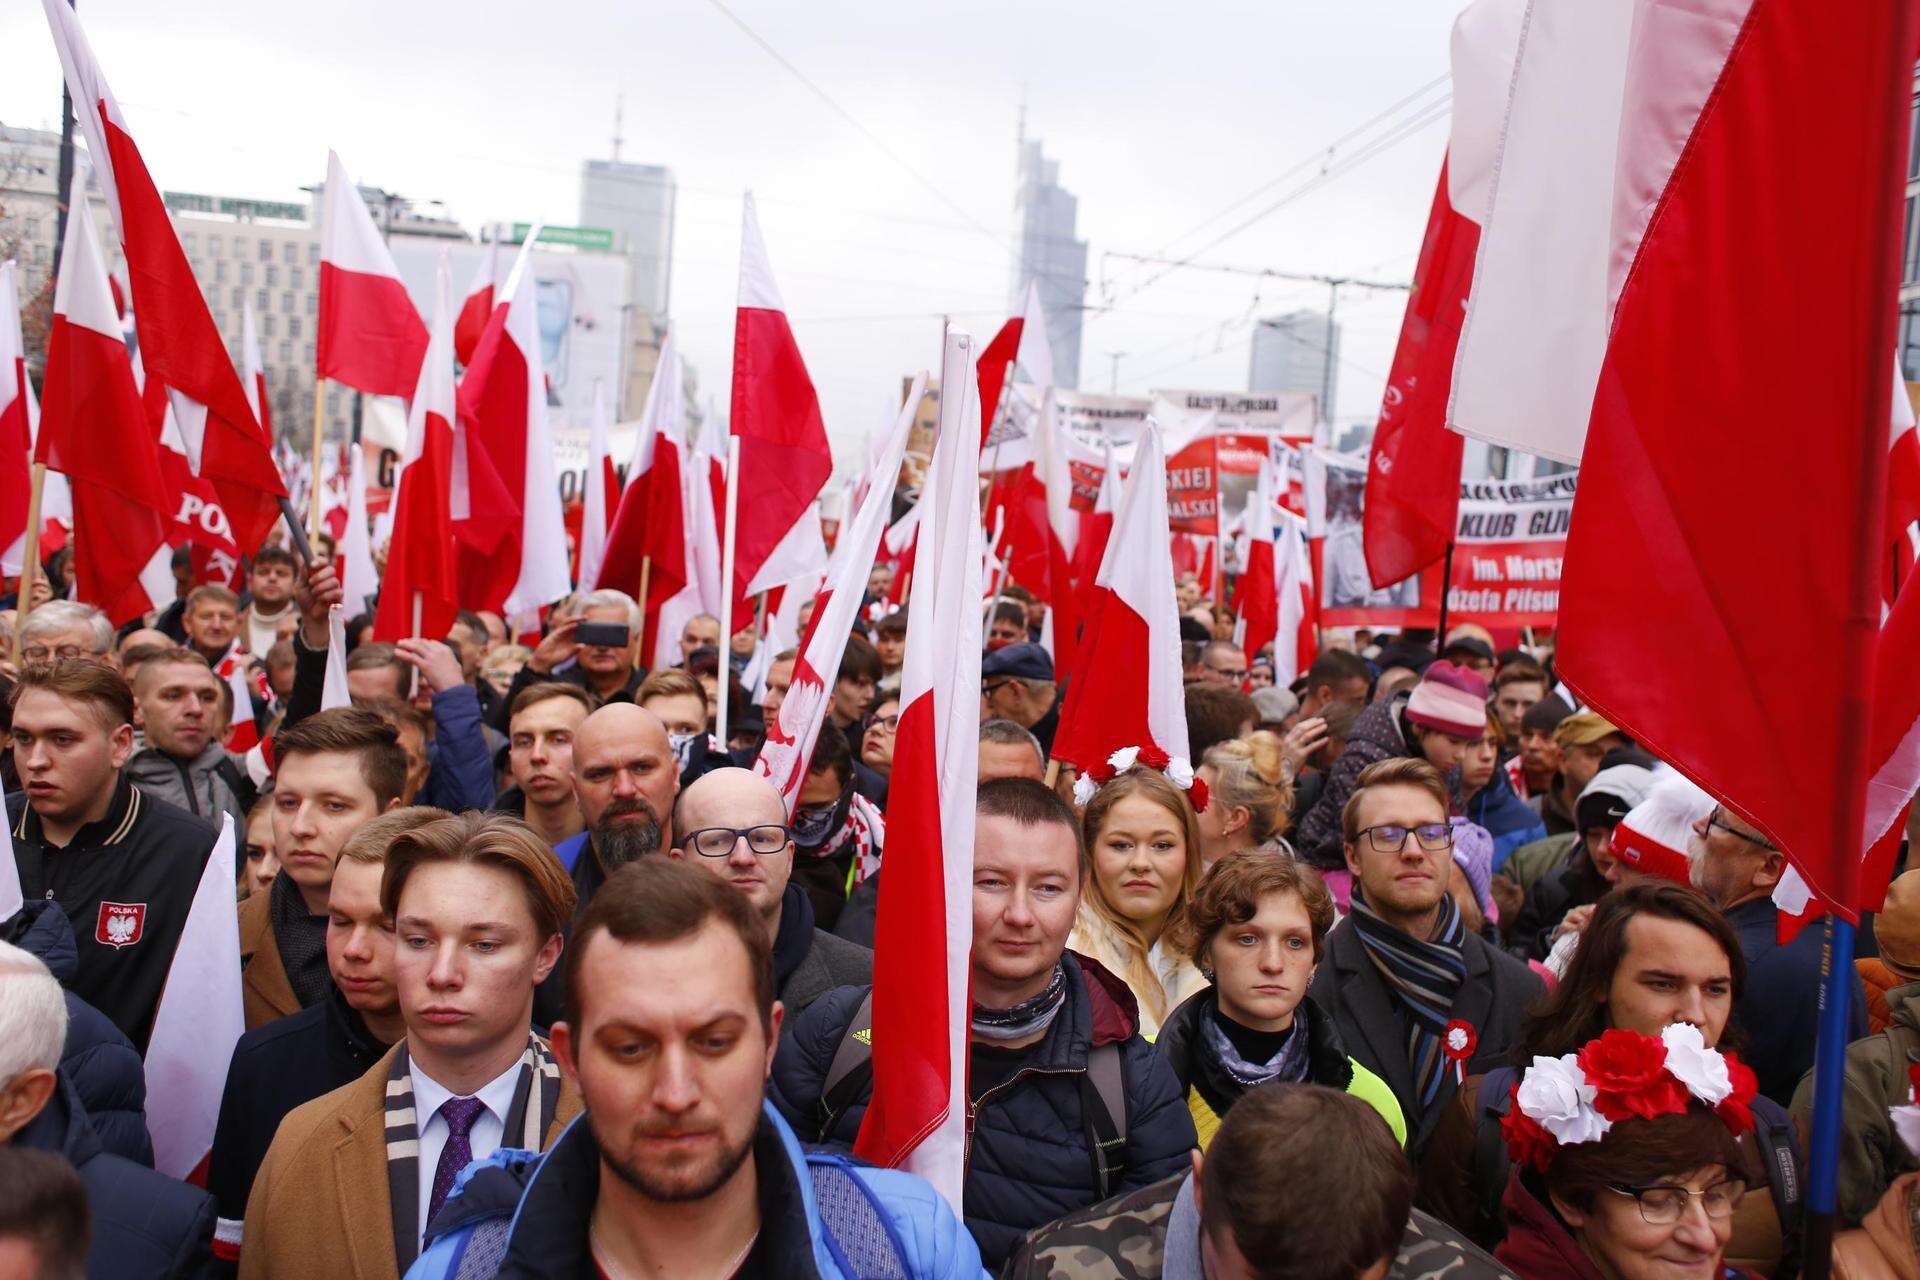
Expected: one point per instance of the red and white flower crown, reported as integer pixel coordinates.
(1623, 1075)
(1179, 771)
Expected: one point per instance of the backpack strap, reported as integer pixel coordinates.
(239, 783)
(1773, 1131)
(1490, 1158)
(856, 1230)
(851, 1072)
(1103, 1097)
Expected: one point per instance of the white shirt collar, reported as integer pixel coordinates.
(429, 1094)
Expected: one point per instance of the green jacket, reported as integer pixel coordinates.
(1877, 1077)
(1125, 1238)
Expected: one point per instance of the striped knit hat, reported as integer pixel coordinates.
(1652, 838)
(1451, 699)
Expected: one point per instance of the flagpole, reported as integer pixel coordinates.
(646, 571)
(29, 557)
(726, 588)
(419, 606)
(313, 480)
(1446, 585)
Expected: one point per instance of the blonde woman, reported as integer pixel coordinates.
(1249, 797)
(1143, 847)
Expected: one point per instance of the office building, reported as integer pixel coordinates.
(1045, 214)
(1298, 351)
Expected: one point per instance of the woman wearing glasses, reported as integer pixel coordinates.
(1627, 1160)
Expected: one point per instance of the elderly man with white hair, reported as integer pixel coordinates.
(67, 629)
(596, 646)
(145, 1224)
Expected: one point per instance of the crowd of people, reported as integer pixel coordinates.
(1444, 976)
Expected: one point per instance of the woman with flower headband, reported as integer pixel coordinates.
(1627, 1164)
(1143, 847)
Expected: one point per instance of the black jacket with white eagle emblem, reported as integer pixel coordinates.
(126, 883)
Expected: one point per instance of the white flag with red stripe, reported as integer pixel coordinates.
(96, 433)
(370, 334)
(476, 305)
(253, 374)
(179, 342)
(788, 750)
(1256, 603)
(358, 578)
(17, 425)
(198, 1021)
(601, 493)
(1128, 691)
(1296, 641)
(923, 936)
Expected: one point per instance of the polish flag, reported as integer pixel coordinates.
(1096, 526)
(1257, 601)
(788, 750)
(17, 414)
(1127, 689)
(198, 1021)
(370, 336)
(1903, 477)
(1659, 320)
(422, 564)
(253, 373)
(923, 935)
(1296, 641)
(243, 733)
(476, 308)
(596, 505)
(503, 410)
(334, 690)
(1020, 347)
(650, 522)
(95, 432)
(178, 340)
(1060, 527)
(784, 456)
(704, 486)
(358, 578)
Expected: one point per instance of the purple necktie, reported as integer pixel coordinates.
(460, 1114)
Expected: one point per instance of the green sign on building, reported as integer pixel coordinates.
(573, 237)
(235, 206)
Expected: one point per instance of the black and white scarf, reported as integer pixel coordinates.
(301, 939)
(528, 1118)
(1028, 1018)
(1289, 1064)
(1425, 976)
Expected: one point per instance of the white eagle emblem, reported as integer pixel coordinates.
(120, 923)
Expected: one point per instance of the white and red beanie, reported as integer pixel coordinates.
(1653, 837)
(1451, 699)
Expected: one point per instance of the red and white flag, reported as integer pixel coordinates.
(1774, 161)
(784, 456)
(179, 343)
(1296, 640)
(1040, 529)
(253, 373)
(370, 335)
(503, 408)
(788, 751)
(602, 491)
(358, 577)
(95, 432)
(1096, 527)
(923, 934)
(650, 521)
(421, 561)
(17, 425)
(1256, 603)
(1127, 690)
(476, 307)
(1020, 347)
(198, 1021)
(243, 732)
(1903, 479)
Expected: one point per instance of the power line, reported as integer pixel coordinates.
(855, 121)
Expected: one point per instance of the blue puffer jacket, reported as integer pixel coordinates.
(1029, 1157)
(100, 1061)
(523, 1215)
(1508, 819)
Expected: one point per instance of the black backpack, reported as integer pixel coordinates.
(1103, 1094)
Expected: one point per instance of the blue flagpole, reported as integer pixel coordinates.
(1829, 1069)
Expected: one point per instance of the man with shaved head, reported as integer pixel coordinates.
(731, 823)
(625, 777)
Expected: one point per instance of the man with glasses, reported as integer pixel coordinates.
(1420, 1001)
(66, 629)
(1017, 684)
(1223, 662)
(1737, 867)
(732, 824)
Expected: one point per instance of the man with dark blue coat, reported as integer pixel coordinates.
(146, 1226)
(1737, 867)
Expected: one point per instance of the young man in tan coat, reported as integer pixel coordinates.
(354, 1177)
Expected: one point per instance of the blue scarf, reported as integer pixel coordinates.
(1425, 977)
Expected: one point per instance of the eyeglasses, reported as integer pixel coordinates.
(40, 652)
(1663, 1205)
(1391, 837)
(1237, 673)
(889, 723)
(717, 842)
(1715, 820)
(991, 687)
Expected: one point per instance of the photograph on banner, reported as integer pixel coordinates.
(1508, 552)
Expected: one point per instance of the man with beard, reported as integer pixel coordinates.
(681, 1167)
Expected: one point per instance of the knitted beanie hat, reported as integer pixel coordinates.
(1653, 837)
(1452, 699)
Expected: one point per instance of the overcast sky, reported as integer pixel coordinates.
(1161, 116)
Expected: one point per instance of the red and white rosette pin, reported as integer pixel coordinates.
(1458, 1044)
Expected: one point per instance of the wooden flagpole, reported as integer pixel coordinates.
(726, 587)
(313, 480)
(640, 640)
(29, 557)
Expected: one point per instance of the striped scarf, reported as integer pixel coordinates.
(526, 1128)
(1425, 976)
